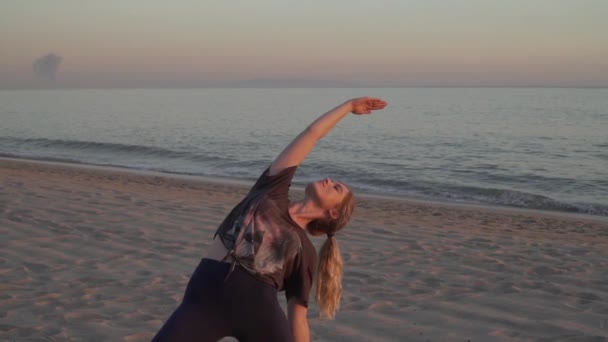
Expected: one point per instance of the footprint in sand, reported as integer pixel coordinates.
(387, 308)
(479, 243)
(507, 287)
(383, 231)
(582, 301)
(7, 327)
(35, 270)
(543, 271)
(577, 252)
(17, 215)
(415, 246)
(356, 306)
(433, 282)
(551, 288)
(585, 298)
(124, 197)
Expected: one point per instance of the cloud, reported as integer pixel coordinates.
(46, 66)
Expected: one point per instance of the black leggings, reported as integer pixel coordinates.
(242, 306)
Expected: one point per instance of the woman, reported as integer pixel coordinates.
(262, 247)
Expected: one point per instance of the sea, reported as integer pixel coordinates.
(538, 148)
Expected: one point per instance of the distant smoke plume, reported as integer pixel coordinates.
(46, 66)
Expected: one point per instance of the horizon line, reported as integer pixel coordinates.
(307, 87)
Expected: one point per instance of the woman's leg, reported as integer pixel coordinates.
(269, 324)
(255, 310)
(202, 314)
(189, 323)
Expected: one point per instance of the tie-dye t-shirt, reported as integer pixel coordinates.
(266, 241)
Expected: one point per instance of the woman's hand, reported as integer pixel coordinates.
(365, 105)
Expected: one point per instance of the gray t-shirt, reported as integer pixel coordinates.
(264, 239)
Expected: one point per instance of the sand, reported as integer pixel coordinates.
(98, 254)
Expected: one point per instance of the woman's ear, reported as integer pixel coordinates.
(332, 214)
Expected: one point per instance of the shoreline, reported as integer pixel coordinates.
(244, 184)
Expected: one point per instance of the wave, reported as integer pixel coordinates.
(128, 166)
(106, 147)
(43, 158)
(92, 145)
(522, 199)
(478, 195)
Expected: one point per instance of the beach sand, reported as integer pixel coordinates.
(96, 254)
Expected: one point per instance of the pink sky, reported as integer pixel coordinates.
(408, 43)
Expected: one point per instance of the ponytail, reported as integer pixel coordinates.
(329, 278)
(329, 269)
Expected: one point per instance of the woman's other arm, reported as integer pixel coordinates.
(301, 146)
(298, 322)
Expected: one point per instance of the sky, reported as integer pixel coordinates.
(153, 43)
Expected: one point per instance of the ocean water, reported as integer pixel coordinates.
(523, 147)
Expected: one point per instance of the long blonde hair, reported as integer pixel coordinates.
(329, 268)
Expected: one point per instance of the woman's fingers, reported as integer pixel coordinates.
(377, 104)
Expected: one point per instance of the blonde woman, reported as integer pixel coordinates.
(262, 247)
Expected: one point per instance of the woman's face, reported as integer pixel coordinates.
(327, 193)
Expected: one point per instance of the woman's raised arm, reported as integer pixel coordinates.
(301, 146)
